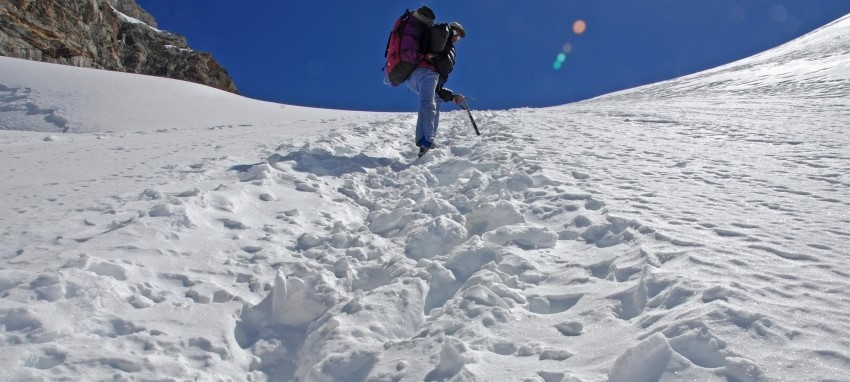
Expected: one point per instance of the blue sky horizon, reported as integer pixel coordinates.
(329, 54)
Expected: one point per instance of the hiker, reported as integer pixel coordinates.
(431, 71)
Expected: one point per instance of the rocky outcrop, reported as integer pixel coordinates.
(103, 34)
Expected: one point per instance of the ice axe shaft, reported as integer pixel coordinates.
(465, 105)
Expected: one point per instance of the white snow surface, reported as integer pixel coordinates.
(696, 229)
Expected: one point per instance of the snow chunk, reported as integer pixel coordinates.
(299, 296)
(490, 216)
(716, 293)
(481, 295)
(645, 362)
(524, 235)
(109, 270)
(162, 210)
(48, 287)
(570, 328)
(742, 369)
(307, 241)
(473, 255)
(383, 222)
(257, 172)
(555, 354)
(436, 238)
(453, 357)
(297, 302)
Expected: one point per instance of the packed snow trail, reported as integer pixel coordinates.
(535, 251)
(485, 231)
(508, 256)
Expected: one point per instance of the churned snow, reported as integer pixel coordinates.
(695, 229)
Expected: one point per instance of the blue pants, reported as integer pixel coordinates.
(424, 82)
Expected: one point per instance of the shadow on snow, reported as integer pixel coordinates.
(327, 164)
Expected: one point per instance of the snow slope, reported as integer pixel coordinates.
(38, 97)
(695, 229)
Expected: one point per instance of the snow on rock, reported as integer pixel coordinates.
(131, 20)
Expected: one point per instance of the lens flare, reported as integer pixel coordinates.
(778, 13)
(559, 61)
(579, 27)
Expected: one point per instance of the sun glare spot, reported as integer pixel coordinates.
(567, 48)
(579, 26)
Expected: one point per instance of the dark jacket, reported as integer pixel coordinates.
(439, 44)
(443, 56)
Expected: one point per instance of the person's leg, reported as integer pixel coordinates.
(424, 82)
(432, 137)
(413, 84)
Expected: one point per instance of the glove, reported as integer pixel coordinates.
(445, 94)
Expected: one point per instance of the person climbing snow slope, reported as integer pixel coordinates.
(434, 46)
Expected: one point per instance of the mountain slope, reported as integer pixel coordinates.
(690, 230)
(103, 34)
(813, 67)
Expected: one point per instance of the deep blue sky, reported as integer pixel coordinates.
(330, 53)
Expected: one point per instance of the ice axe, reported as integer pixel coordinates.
(464, 104)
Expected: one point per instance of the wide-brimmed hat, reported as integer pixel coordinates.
(459, 28)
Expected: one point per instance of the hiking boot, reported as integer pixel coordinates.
(422, 151)
(424, 143)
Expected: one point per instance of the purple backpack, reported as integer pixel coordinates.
(404, 49)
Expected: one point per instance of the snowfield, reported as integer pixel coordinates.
(696, 229)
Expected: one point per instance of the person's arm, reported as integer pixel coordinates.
(448, 95)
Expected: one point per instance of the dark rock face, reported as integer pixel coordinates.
(103, 34)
